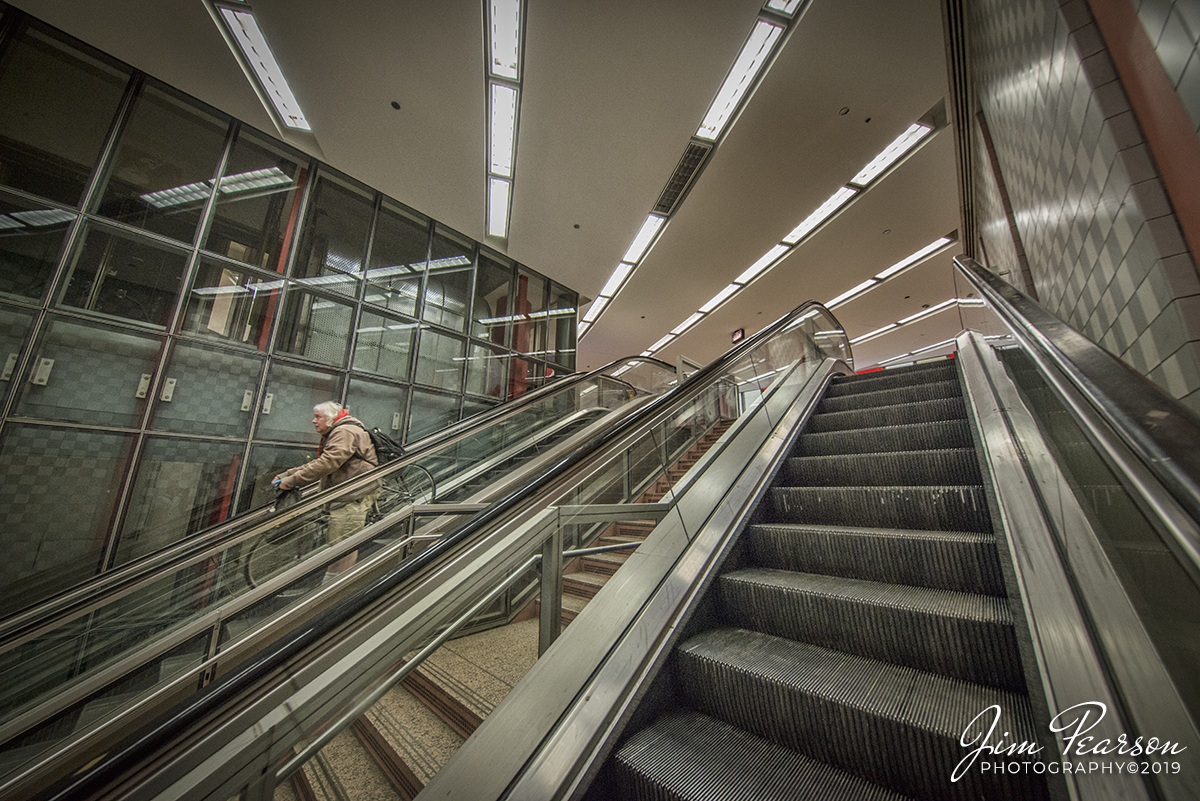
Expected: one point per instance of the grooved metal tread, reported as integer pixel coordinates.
(921, 411)
(953, 560)
(949, 508)
(694, 757)
(894, 725)
(896, 377)
(964, 635)
(902, 437)
(889, 396)
(943, 466)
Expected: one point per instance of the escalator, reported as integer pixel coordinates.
(975, 578)
(865, 605)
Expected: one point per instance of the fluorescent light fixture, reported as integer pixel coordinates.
(177, 195)
(255, 179)
(644, 237)
(594, 310)
(823, 213)
(899, 146)
(583, 329)
(449, 261)
(254, 47)
(686, 324)
(913, 259)
(660, 344)
(784, 6)
(896, 358)
(768, 258)
(38, 217)
(498, 191)
(505, 21)
(929, 311)
(8, 223)
(504, 126)
(876, 332)
(616, 279)
(845, 296)
(745, 70)
(720, 298)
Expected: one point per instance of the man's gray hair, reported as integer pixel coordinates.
(328, 409)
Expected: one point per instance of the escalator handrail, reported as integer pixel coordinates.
(1159, 430)
(229, 688)
(69, 602)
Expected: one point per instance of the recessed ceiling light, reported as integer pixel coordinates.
(505, 19)
(616, 279)
(503, 128)
(823, 213)
(644, 237)
(250, 39)
(899, 146)
(752, 58)
(498, 192)
(845, 296)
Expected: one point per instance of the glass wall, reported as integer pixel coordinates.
(178, 289)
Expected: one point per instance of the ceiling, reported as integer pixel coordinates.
(611, 94)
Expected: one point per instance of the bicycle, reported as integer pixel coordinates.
(281, 549)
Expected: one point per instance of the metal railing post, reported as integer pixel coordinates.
(551, 568)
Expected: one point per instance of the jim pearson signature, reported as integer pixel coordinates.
(1072, 723)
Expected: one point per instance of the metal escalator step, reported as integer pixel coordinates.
(693, 757)
(906, 437)
(962, 635)
(917, 393)
(898, 377)
(892, 725)
(930, 411)
(942, 508)
(950, 560)
(904, 468)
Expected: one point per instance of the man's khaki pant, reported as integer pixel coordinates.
(348, 519)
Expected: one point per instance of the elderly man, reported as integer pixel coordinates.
(345, 452)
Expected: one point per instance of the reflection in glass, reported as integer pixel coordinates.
(440, 361)
(492, 288)
(383, 345)
(529, 320)
(378, 405)
(210, 392)
(314, 327)
(85, 373)
(118, 275)
(398, 254)
(30, 241)
(56, 106)
(258, 201)
(286, 410)
(487, 371)
(430, 412)
(53, 538)
(162, 171)
(562, 315)
(334, 238)
(14, 326)
(183, 486)
(231, 304)
(448, 289)
(266, 462)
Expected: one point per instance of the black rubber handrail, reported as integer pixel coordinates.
(1161, 432)
(139, 747)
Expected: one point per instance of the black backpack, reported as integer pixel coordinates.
(386, 448)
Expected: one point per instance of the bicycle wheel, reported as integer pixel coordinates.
(270, 556)
(415, 484)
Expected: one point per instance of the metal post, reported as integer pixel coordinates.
(550, 624)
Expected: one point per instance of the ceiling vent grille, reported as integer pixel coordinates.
(685, 173)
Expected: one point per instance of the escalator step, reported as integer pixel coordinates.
(930, 411)
(918, 393)
(965, 636)
(943, 508)
(904, 468)
(892, 725)
(949, 560)
(694, 757)
(898, 377)
(906, 437)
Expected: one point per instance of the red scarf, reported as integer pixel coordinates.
(332, 423)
